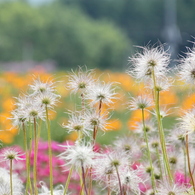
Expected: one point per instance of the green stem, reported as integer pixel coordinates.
(49, 150)
(188, 161)
(29, 153)
(148, 152)
(68, 180)
(159, 161)
(35, 158)
(28, 182)
(11, 186)
(160, 128)
(84, 181)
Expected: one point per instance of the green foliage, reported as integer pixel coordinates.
(64, 34)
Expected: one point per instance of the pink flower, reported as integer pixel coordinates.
(181, 179)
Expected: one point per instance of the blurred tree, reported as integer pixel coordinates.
(63, 34)
(142, 20)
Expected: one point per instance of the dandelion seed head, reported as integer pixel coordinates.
(39, 86)
(78, 155)
(101, 92)
(140, 102)
(80, 81)
(187, 122)
(151, 59)
(10, 153)
(170, 189)
(5, 183)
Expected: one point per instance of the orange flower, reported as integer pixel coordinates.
(6, 137)
(137, 117)
(113, 125)
(168, 98)
(189, 102)
(73, 136)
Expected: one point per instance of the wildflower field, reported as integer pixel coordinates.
(87, 132)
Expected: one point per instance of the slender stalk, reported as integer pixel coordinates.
(188, 161)
(95, 129)
(29, 153)
(84, 181)
(185, 164)
(100, 107)
(49, 150)
(68, 180)
(148, 152)
(159, 161)
(109, 192)
(82, 102)
(119, 180)
(81, 183)
(35, 158)
(160, 128)
(28, 182)
(11, 185)
(90, 180)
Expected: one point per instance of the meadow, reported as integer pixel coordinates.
(107, 140)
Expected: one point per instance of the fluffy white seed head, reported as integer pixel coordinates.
(103, 92)
(17, 185)
(80, 81)
(140, 102)
(150, 59)
(78, 155)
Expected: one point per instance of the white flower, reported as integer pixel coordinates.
(176, 136)
(140, 102)
(101, 92)
(76, 123)
(41, 87)
(24, 102)
(130, 181)
(78, 155)
(10, 153)
(129, 145)
(58, 190)
(163, 83)
(151, 59)
(80, 81)
(93, 119)
(187, 67)
(5, 183)
(170, 189)
(149, 127)
(47, 99)
(18, 118)
(34, 111)
(187, 122)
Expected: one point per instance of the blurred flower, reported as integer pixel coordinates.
(17, 185)
(187, 122)
(172, 189)
(77, 123)
(58, 190)
(187, 67)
